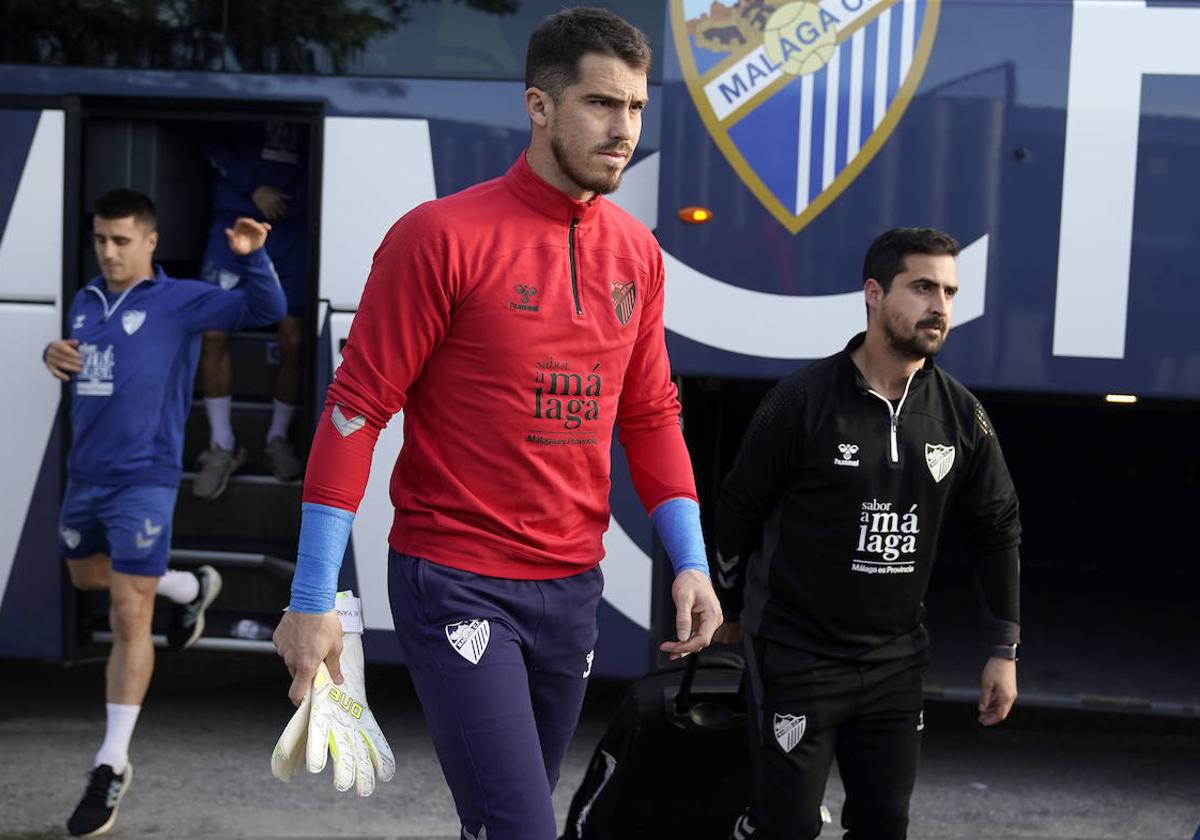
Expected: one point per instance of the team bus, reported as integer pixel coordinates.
(1056, 139)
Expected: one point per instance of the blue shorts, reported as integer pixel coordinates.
(131, 524)
(287, 255)
(500, 667)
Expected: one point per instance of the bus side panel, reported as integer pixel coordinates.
(31, 624)
(31, 187)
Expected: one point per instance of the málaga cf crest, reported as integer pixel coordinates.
(800, 95)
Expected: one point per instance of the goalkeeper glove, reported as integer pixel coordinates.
(335, 719)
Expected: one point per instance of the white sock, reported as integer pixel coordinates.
(115, 750)
(180, 587)
(281, 418)
(219, 410)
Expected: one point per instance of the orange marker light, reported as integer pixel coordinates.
(695, 215)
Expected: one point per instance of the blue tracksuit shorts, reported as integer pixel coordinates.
(129, 523)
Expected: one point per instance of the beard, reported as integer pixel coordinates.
(915, 344)
(601, 182)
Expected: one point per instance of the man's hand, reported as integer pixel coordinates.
(729, 633)
(997, 690)
(697, 613)
(247, 236)
(62, 359)
(271, 201)
(305, 640)
(336, 720)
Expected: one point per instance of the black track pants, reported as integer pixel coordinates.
(809, 710)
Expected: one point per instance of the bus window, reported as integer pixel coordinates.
(475, 39)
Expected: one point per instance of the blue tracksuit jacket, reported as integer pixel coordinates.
(140, 350)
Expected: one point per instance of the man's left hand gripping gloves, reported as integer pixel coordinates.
(335, 718)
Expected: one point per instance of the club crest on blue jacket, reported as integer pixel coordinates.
(800, 95)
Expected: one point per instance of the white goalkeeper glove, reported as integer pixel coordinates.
(336, 718)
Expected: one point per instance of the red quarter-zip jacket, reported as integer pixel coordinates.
(514, 326)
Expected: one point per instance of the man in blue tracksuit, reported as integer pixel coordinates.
(260, 170)
(129, 361)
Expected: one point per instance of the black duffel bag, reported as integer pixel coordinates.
(674, 762)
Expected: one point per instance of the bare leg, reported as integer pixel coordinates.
(132, 659)
(291, 345)
(216, 364)
(93, 573)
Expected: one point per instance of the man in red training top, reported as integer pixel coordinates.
(515, 323)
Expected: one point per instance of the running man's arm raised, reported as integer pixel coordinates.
(259, 300)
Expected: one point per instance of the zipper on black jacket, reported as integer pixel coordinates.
(574, 280)
(894, 416)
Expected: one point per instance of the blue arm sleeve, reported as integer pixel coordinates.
(324, 532)
(677, 522)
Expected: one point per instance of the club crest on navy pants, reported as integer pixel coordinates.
(500, 667)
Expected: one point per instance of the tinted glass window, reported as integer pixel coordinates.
(482, 39)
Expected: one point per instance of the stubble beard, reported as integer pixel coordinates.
(915, 346)
(598, 184)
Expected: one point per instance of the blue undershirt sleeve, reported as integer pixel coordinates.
(677, 522)
(324, 532)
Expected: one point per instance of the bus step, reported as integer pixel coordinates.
(203, 643)
(253, 508)
(250, 420)
(192, 557)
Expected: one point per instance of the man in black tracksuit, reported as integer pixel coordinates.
(828, 528)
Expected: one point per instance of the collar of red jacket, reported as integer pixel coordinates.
(546, 199)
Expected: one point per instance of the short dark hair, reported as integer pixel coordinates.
(885, 257)
(561, 40)
(119, 203)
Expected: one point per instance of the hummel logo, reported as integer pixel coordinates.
(147, 539)
(848, 450)
(526, 294)
(346, 427)
(587, 672)
(79, 319)
(726, 576)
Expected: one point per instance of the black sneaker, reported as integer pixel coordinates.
(97, 811)
(187, 620)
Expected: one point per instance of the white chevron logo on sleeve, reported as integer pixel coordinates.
(150, 528)
(346, 427)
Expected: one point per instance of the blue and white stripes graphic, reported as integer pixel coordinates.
(843, 103)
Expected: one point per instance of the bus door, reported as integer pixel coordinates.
(198, 160)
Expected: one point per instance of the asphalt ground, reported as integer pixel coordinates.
(203, 743)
